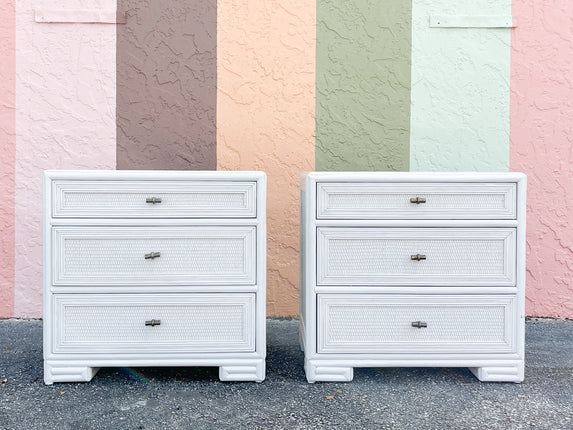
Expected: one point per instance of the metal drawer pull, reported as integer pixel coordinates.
(417, 257)
(418, 200)
(153, 200)
(153, 323)
(152, 255)
(419, 324)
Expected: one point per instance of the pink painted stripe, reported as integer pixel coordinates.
(7, 160)
(541, 146)
(65, 119)
(79, 15)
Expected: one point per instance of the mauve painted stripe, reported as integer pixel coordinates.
(363, 84)
(167, 85)
(8, 159)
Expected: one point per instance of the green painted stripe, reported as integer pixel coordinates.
(363, 84)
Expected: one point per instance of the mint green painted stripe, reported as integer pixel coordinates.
(460, 88)
(363, 84)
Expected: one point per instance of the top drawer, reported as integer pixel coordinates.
(368, 200)
(153, 199)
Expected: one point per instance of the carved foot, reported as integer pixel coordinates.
(326, 373)
(62, 372)
(513, 373)
(248, 371)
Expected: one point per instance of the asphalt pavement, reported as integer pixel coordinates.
(378, 398)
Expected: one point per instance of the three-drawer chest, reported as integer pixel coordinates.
(154, 268)
(413, 270)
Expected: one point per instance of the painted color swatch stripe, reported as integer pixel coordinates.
(265, 118)
(167, 85)
(542, 147)
(460, 88)
(8, 159)
(65, 119)
(363, 84)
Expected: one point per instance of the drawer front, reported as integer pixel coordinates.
(366, 323)
(416, 201)
(153, 199)
(154, 255)
(153, 323)
(443, 256)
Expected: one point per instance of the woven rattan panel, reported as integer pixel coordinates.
(374, 324)
(110, 326)
(402, 201)
(393, 256)
(168, 200)
(189, 255)
(93, 257)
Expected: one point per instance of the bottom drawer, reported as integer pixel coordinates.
(368, 323)
(152, 323)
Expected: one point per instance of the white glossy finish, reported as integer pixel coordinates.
(382, 323)
(128, 199)
(112, 323)
(207, 287)
(350, 200)
(361, 292)
(205, 255)
(382, 256)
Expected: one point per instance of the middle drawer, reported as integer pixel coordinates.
(213, 255)
(416, 256)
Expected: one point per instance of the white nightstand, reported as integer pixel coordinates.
(154, 268)
(413, 269)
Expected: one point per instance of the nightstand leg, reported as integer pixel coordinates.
(301, 339)
(243, 371)
(321, 372)
(63, 372)
(514, 373)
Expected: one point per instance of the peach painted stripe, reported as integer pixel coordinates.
(541, 146)
(65, 119)
(7, 160)
(266, 117)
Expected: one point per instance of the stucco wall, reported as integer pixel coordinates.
(265, 118)
(7, 160)
(65, 118)
(542, 147)
(58, 110)
(167, 85)
(460, 89)
(363, 84)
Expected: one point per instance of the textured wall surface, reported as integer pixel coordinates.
(8, 148)
(167, 85)
(58, 110)
(65, 118)
(460, 89)
(542, 147)
(363, 84)
(265, 118)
